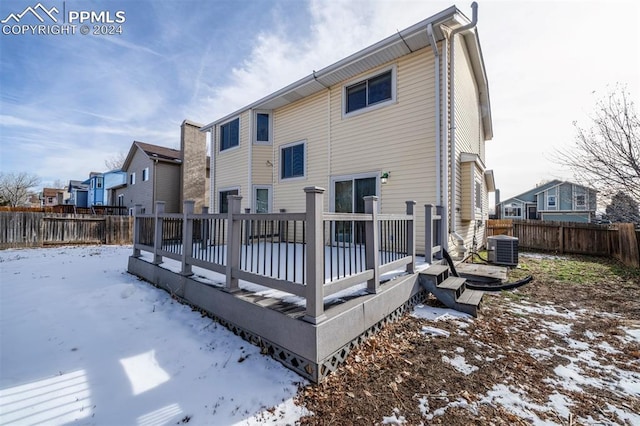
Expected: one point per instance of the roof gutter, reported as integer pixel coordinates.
(452, 133)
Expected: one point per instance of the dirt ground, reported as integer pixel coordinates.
(564, 349)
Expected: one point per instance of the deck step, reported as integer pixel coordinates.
(470, 297)
(436, 270)
(450, 290)
(454, 283)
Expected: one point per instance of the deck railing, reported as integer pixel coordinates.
(312, 254)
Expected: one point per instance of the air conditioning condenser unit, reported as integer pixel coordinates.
(502, 250)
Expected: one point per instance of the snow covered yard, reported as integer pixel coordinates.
(84, 342)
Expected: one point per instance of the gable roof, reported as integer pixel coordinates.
(541, 188)
(154, 152)
(391, 48)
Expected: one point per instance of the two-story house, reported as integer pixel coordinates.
(555, 200)
(102, 186)
(156, 173)
(53, 196)
(403, 119)
(78, 193)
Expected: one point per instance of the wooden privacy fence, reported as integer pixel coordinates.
(619, 240)
(28, 229)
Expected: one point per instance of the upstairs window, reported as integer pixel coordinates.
(230, 134)
(145, 174)
(292, 161)
(132, 178)
(551, 201)
(263, 128)
(372, 91)
(581, 201)
(99, 182)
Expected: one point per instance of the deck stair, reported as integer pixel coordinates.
(450, 290)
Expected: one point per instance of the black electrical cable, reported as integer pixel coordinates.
(476, 282)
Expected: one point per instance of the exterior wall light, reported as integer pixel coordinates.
(384, 177)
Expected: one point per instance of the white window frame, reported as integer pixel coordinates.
(254, 191)
(145, 174)
(220, 150)
(305, 159)
(368, 108)
(132, 178)
(555, 201)
(254, 128)
(477, 195)
(583, 205)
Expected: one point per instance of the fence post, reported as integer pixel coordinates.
(372, 241)
(441, 232)
(233, 243)
(428, 233)
(157, 236)
(187, 237)
(137, 211)
(411, 237)
(315, 251)
(561, 238)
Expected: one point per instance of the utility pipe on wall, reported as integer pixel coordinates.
(452, 133)
(436, 54)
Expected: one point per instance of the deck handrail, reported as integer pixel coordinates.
(370, 244)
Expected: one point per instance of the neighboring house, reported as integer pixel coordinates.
(53, 196)
(156, 173)
(102, 187)
(556, 201)
(153, 174)
(96, 190)
(78, 193)
(113, 180)
(379, 122)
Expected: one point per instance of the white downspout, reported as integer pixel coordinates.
(460, 248)
(436, 55)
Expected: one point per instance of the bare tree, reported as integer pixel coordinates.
(116, 161)
(14, 187)
(607, 155)
(623, 208)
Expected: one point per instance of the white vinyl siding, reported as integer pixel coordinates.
(469, 138)
(232, 168)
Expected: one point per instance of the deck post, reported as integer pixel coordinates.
(372, 238)
(157, 236)
(137, 211)
(428, 233)
(204, 229)
(441, 232)
(411, 236)
(187, 237)
(314, 278)
(233, 243)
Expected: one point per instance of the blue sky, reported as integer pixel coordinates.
(68, 102)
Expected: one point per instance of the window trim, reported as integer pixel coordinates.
(555, 201)
(304, 164)
(145, 174)
(254, 200)
(254, 127)
(377, 105)
(220, 134)
(132, 178)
